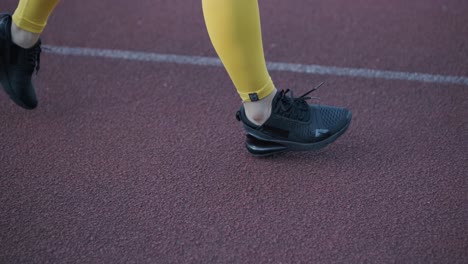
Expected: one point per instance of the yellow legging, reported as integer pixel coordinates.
(234, 29)
(32, 15)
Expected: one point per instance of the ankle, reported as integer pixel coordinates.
(23, 38)
(258, 112)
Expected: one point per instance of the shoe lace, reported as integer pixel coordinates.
(30, 59)
(34, 58)
(295, 107)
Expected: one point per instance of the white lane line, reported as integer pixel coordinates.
(273, 66)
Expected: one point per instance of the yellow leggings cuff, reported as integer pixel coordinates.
(28, 25)
(259, 94)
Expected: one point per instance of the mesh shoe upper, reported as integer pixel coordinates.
(292, 119)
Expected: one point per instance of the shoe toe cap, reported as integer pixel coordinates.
(335, 118)
(27, 100)
(30, 104)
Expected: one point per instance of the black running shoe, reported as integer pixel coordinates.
(17, 66)
(295, 125)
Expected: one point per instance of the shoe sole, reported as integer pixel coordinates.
(261, 145)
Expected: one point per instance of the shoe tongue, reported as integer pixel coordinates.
(295, 110)
(281, 96)
(276, 98)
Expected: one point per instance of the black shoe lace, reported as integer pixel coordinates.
(34, 57)
(295, 107)
(29, 60)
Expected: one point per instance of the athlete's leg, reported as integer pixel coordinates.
(30, 19)
(20, 49)
(234, 29)
(274, 121)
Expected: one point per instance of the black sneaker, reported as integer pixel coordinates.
(17, 66)
(295, 125)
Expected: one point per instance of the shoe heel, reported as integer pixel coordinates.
(260, 147)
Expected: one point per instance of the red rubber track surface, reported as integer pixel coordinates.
(140, 162)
